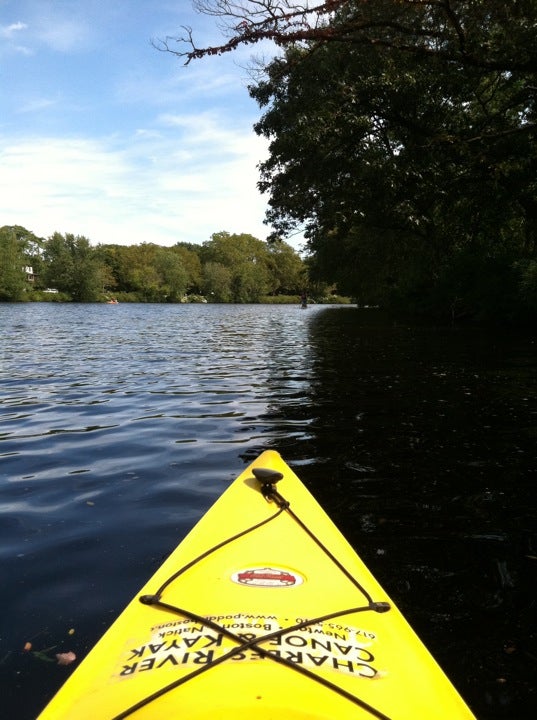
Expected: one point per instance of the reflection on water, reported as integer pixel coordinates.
(119, 425)
(424, 447)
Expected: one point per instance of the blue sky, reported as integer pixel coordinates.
(101, 135)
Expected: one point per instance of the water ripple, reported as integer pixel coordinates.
(119, 425)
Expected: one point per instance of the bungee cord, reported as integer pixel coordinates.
(268, 480)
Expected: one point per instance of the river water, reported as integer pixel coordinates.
(120, 425)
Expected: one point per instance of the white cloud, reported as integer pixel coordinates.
(7, 31)
(47, 27)
(35, 105)
(63, 35)
(147, 189)
(170, 84)
(10, 34)
(133, 146)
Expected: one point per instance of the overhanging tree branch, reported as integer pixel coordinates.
(451, 30)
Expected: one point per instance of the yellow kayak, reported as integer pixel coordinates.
(264, 610)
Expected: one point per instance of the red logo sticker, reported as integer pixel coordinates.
(267, 577)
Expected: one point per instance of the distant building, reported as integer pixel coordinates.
(30, 275)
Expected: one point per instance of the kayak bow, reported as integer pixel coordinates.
(263, 609)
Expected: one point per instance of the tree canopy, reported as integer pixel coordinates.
(226, 268)
(468, 32)
(402, 140)
(19, 248)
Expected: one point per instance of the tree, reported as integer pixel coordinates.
(12, 262)
(246, 259)
(59, 263)
(138, 273)
(109, 257)
(151, 272)
(249, 283)
(398, 167)
(402, 136)
(490, 34)
(189, 256)
(217, 282)
(72, 266)
(288, 273)
(173, 277)
(32, 248)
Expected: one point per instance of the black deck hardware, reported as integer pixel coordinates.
(268, 479)
(267, 476)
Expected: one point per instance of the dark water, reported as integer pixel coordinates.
(119, 426)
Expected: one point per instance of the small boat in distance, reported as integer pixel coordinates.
(112, 301)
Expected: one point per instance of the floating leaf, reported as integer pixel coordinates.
(65, 658)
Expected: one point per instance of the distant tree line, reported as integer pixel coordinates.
(402, 142)
(227, 268)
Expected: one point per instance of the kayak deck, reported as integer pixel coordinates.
(265, 609)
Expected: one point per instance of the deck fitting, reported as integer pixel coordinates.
(268, 479)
